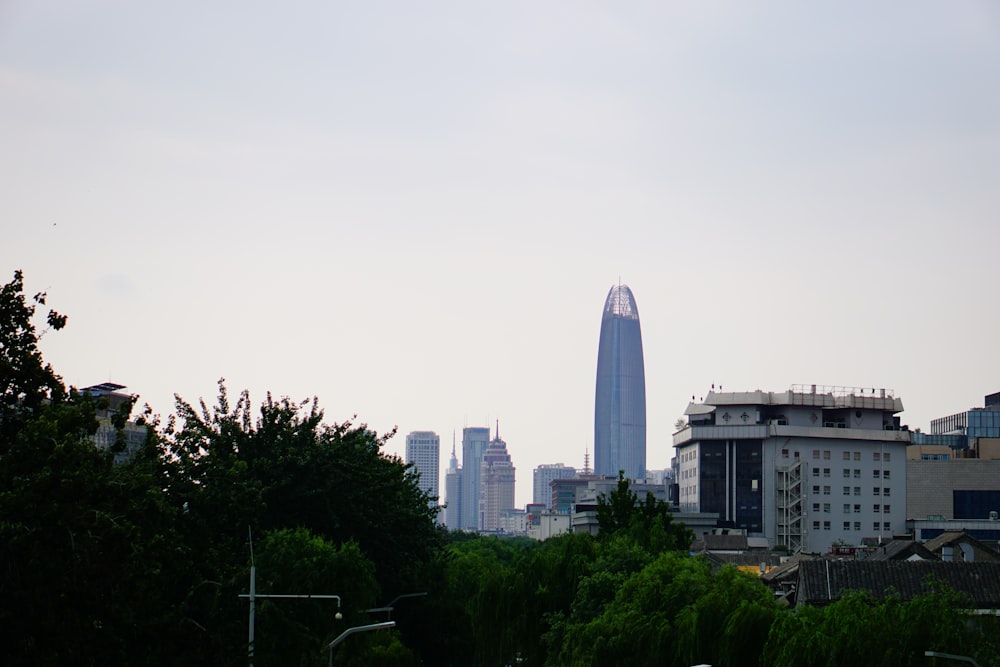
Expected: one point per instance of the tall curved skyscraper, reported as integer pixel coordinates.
(620, 406)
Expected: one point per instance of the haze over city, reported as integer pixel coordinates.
(415, 212)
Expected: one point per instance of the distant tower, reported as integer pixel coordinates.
(453, 491)
(474, 442)
(423, 450)
(620, 405)
(496, 484)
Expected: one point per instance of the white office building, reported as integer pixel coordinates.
(423, 450)
(805, 468)
(543, 476)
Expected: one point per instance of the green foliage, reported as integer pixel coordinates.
(648, 523)
(858, 630)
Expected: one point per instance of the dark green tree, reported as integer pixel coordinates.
(648, 523)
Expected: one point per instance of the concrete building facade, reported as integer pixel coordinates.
(496, 485)
(805, 468)
(423, 451)
(542, 481)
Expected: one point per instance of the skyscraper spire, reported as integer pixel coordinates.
(498, 429)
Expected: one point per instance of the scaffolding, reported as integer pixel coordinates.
(788, 487)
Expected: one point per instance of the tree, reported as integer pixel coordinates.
(83, 543)
(649, 523)
(26, 382)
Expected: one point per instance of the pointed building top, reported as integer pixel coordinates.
(621, 303)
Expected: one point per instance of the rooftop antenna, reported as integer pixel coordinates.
(452, 442)
(498, 429)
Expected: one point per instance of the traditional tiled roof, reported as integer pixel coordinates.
(902, 550)
(822, 581)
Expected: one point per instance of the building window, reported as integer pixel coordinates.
(847, 456)
(885, 457)
(886, 509)
(784, 453)
(816, 508)
(826, 472)
(847, 508)
(885, 474)
(815, 453)
(847, 490)
(857, 472)
(875, 508)
(857, 490)
(847, 472)
(887, 491)
(857, 509)
(826, 454)
(857, 456)
(875, 526)
(826, 508)
(876, 490)
(857, 525)
(826, 525)
(847, 525)
(815, 525)
(886, 526)
(876, 474)
(826, 490)
(815, 490)
(815, 472)
(875, 456)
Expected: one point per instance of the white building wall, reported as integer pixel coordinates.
(423, 450)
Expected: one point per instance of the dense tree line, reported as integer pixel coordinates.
(144, 562)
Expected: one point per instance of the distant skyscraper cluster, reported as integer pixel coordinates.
(620, 403)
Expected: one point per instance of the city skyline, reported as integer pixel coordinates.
(412, 212)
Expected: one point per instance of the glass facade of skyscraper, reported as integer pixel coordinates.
(620, 404)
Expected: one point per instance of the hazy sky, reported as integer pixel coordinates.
(415, 210)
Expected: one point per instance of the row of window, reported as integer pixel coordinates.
(856, 508)
(876, 456)
(876, 490)
(886, 526)
(876, 474)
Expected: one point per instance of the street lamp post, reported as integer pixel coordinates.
(951, 656)
(253, 595)
(390, 606)
(358, 628)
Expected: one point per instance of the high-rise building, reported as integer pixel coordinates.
(124, 441)
(453, 492)
(423, 450)
(543, 476)
(620, 405)
(496, 485)
(475, 439)
(807, 468)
